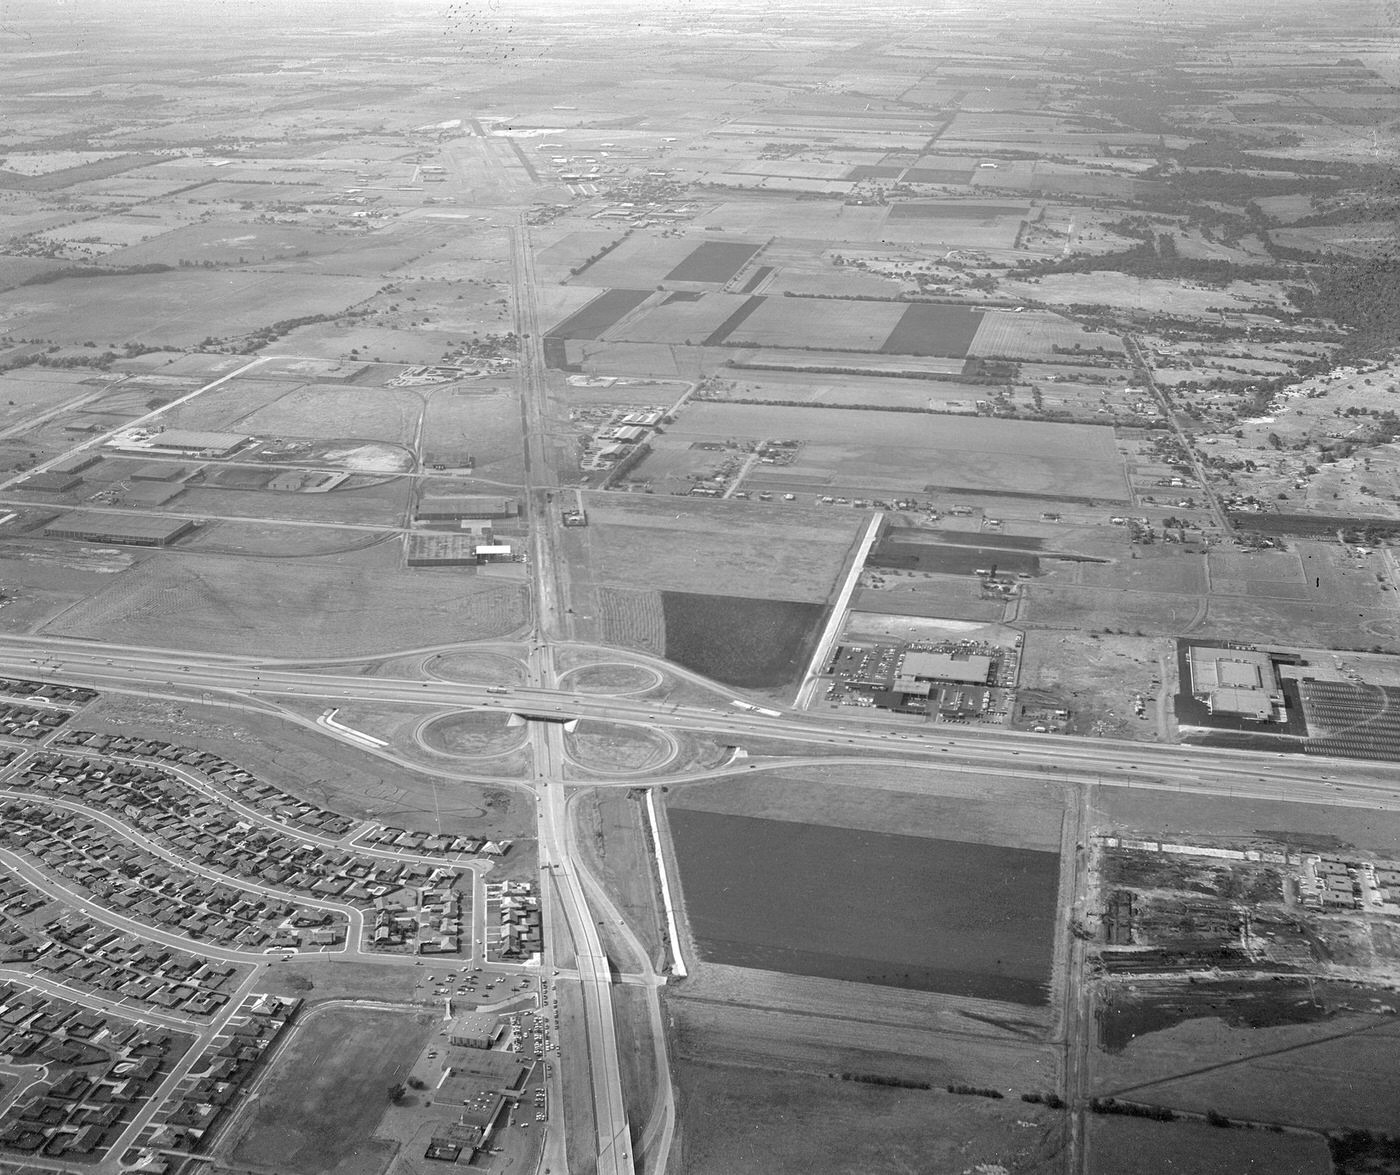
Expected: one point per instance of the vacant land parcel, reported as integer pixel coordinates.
(913, 452)
(850, 876)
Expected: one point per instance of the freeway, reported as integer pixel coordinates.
(1179, 766)
(613, 1132)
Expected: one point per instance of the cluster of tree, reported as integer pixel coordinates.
(1356, 1151)
(88, 271)
(599, 255)
(1158, 257)
(976, 1091)
(1360, 293)
(1053, 1100)
(877, 1079)
(1108, 1105)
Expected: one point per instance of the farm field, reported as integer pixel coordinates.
(595, 317)
(992, 941)
(682, 321)
(330, 1093)
(1033, 335)
(176, 308)
(640, 262)
(934, 330)
(747, 643)
(713, 262)
(829, 325)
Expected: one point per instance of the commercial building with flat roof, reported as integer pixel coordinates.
(459, 506)
(1239, 682)
(474, 1030)
(972, 669)
(134, 530)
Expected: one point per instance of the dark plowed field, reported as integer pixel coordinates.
(714, 261)
(758, 644)
(590, 321)
(934, 330)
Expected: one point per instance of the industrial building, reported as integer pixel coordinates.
(50, 482)
(436, 549)
(180, 441)
(133, 530)
(1242, 683)
(460, 506)
(75, 464)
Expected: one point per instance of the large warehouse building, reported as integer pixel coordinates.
(133, 530)
(460, 506)
(181, 442)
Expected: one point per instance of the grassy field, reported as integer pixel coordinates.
(893, 452)
(642, 542)
(321, 606)
(327, 1093)
(481, 422)
(1134, 1146)
(613, 679)
(876, 391)
(472, 733)
(978, 809)
(601, 747)
(739, 1121)
(1335, 1074)
(612, 834)
(477, 668)
(262, 539)
(328, 411)
(372, 502)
